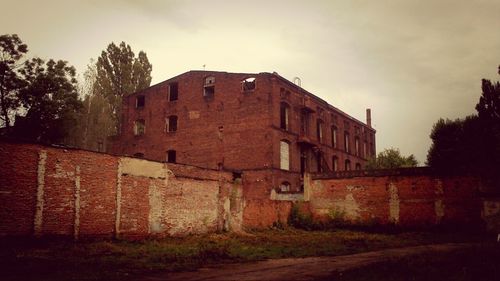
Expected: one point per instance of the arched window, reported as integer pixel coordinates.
(346, 142)
(347, 165)
(284, 155)
(248, 84)
(171, 156)
(139, 127)
(284, 116)
(171, 123)
(335, 163)
(319, 130)
(334, 136)
(285, 187)
(356, 146)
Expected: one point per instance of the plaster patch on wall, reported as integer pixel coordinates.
(77, 203)
(42, 159)
(194, 114)
(348, 207)
(439, 187)
(393, 203)
(143, 168)
(118, 198)
(155, 209)
(439, 209)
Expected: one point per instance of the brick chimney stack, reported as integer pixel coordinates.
(369, 117)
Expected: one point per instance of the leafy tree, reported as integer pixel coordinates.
(50, 99)
(472, 144)
(12, 49)
(120, 73)
(391, 158)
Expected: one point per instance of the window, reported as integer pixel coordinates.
(173, 91)
(171, 156)
(334, 137)
(284, 155)
(347, 165)
(100, 146)
(335, 163)
(356, 146)
(209, 87)
(284, 116)
(139, 127)
(285, 187)
(248, 84)
(139, 155)
(171, 124)
(364, 149)
(346, 141)
(140, 101)
(304, 123)
(358, 166)
(319, 130)
(318, 162)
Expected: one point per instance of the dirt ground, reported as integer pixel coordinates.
(312, 268)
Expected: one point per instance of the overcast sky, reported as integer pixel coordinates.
(411, 62)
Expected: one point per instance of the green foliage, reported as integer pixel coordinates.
(300, 219)
(391, 158)
(119, 73)
(50, 99)
(472, 144)
(12, 50)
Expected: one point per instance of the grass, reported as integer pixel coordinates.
(49, 259)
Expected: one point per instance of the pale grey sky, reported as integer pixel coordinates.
(412, 62)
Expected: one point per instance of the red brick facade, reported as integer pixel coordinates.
(223, 122)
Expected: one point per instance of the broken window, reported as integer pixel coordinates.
(171, 124)
(284, 155)
(358, 166)
(139, 155)
(171, 156)
(284, 116)
(248, 84)
(335, 163)
(173, 91)
(319, 130)
(346, 141)
(209, 87)
(140, 101)
(334, 137)
(347, 165)
(139, 127)
(285, 187)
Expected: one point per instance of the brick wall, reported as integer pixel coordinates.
(55, 191)
(415, 200)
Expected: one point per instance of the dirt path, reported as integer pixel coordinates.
(312, 268)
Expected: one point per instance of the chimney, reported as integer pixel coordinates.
(369, 117)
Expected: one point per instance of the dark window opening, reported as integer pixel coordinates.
(100, 146)
(356, 146)
(334, 137)
(236, 175)
(285, 187)
(284, 116)
(173, 93)
(319, 162)
(248, 84)
(304, 123)
(140, 101)
(171, 156)
(209, 87)
(335, 163)
(171, 123)
(347, 165)
(346, 142)
(319, 130)
(139, 155)
(139, 127)
(358, 166)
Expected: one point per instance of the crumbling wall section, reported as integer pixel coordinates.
(405, 200)
(54, 191)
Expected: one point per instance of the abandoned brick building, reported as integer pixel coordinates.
(242, 122)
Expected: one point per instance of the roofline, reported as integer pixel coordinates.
(274, 74)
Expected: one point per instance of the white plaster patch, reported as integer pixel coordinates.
(143, 168)
(42, 159)
(439, 209)
(393, 204)
(155, 209)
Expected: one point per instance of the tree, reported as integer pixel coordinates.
(120, 73)
(470, 145)
(12, 49)
(391, 158)
(50, 99)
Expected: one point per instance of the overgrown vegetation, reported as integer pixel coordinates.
(391, 158)
(117, 260)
